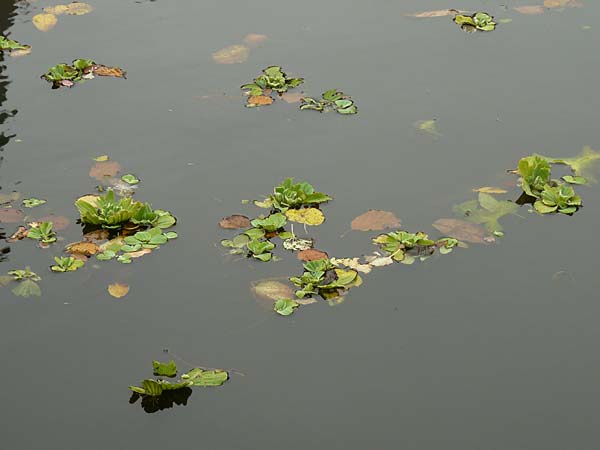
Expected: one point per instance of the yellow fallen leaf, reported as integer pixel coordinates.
(234, 54)
(101, 158)
(308, 216)
(490, 190)
(118, 290)
(352, 263)
(73, 9)
(56, 10)
(44, 22)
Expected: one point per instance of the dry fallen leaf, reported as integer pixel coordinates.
(435, 13)
(379, 261)
(105, 71)
(59, 223)
(464, 231)
(375, 220)
(234, 54)
(255, 39)
(118, 290)
(20, 52)
(352, 263)
(82, 248)
(292, 97)
(534, 9)
(18, 235)
(140, 253)
(307, 216)
(234, 222)
(490, 190)
(44, 22)
(311, 254)
(103, 169)
(259, 100)
(9, 215)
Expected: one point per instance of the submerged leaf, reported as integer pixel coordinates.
(234, 54)
(375, 220)
(118, 290)
(259, 100)
(103, 169)
(428, 126)
(255, 39)
(234, 221)
(9, 215)
(435, 13)
(464, 231)
(271, 289)
(311, 255)
(44, 22)
(27, 288)
(533, 9)
(491, 190)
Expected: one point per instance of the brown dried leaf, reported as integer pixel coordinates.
(103, 169)
(59, 223)
(464, 231)
(234, 54)
(259, 100)
(234, 222)
(255, 39)
(20, 52)
(118, 290)
(10, 215)
(44, 22)
(490, 190)
(435, 13)
(82, 248)
(534, 9)
(352, 263)
(375, 220)
(312, 254)
(18, 235)
(96, 236)
(292, 97)
(105, 71)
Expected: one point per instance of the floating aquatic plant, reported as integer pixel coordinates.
(293, 195)
(9, 44)
(66, 264)
(330, 100)
(272, 78)
(42, 232)
(479, 21)
(26, 279)
(322, 278)
(80, 69)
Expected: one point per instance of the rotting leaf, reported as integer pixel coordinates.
(83, 248)
(293, 244)
(292, 97)
(18, 235)
(44, 22)
(102, 169)
(234, 54)
(307, 216)
(311, 255)
(106, 71)
(118, 290)
(271, 290)
(352, 263)
(375, 220)
(234, 221)
(464, 231)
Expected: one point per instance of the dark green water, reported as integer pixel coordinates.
(481, 349)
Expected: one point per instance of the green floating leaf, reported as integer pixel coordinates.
(285, 306)
(584, 165)
(42, 232)
(32, 202)
(205, 378)
(575, 179)
(130, 179)
(66, 264)
(164, 370)
(9, 44)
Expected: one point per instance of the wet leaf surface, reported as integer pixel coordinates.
(73, 9)
(118, 290)
(464, 231)
(235, 221)
(375, 220)
(234, 54)
(271, 290)
(106, 71)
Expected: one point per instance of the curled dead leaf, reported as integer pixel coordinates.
(311, 254)
(375, 220)
(464, 231)
(234, 54)
(118, 290)
(18, 235)
(103, 169)
(105, 71)
(234, 222)
(96, 236)
(20, 52)
(44, 22)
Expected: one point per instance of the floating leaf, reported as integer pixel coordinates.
(428, 126)
(102, 158)
(258, 100)
(271, 290)
(118, 290)
(9, 215)
(18, 235)
(106, 71)
(285, 306)
(292, 97)
(533, 9)
(234, 54)
(74, 9)
(205, 378)
(101, 170)
(375, 220)
(491, 190)
(234, 222)
(575, 179)
(27, 288)
(164, 370)
(44, 22)
(464, 231)
(255, 39)
(58, 222)
(82, 248)
(562, 3)
(8, 198)
(584, 165)
(32, 202)
(379, 261)
(352, 263)
(66, 264)
(130, 179)
(294, 244)
(435, 13)
(311, 255)
(308, 216)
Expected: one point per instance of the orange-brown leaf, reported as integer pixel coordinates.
(311, 254)
(435, 13)
(533, 9)
(9, 215)
(103, 169)
(259, 100)
(375, 219)
(235, 221)
(83, 248)
(463, 231)
(105, 71)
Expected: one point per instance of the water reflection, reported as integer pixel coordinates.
(166, 400)
(7, 14)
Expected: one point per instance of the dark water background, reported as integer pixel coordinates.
(483, 349)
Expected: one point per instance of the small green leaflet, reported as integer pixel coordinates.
(205, 378)
(285, 306)
(164, 370)
(574, 179)
(32, 202)
(130, 179)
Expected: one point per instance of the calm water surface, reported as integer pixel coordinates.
(482, 349)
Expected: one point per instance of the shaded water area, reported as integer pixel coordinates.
(490, 347)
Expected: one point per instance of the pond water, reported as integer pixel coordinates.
(491, 347)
